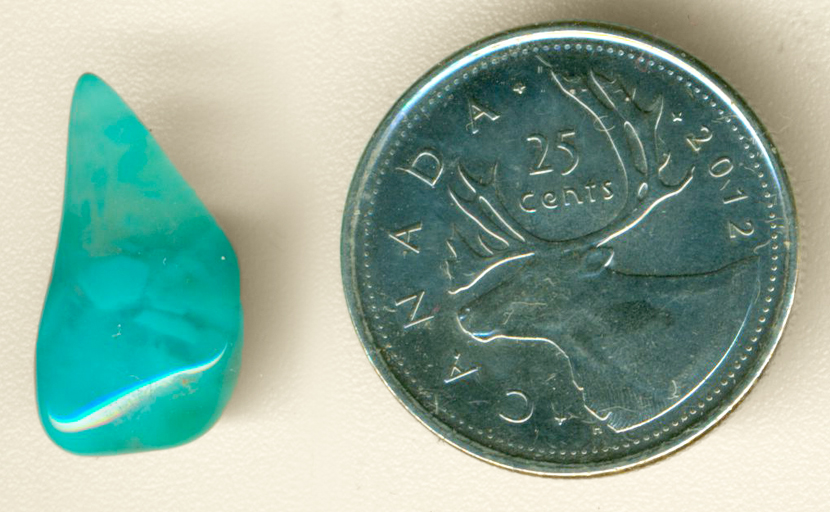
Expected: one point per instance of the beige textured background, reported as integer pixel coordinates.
(265, 108)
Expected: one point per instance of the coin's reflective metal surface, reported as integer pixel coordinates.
(569, 249)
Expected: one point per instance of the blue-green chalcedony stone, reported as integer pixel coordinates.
(141, 334)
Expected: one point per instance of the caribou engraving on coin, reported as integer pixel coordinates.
(569, 249)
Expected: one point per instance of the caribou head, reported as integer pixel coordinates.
(638, 345)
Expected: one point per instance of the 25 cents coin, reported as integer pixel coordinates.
(569, 249)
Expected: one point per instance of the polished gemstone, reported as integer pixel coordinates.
(140, 338)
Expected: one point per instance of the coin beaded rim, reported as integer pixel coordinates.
(612, 35)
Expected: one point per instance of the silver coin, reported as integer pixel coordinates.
(569, 249)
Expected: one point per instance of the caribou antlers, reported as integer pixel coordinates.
(632, 125)
(635, 118)
(495, 240)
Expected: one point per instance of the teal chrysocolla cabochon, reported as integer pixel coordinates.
(141, 334)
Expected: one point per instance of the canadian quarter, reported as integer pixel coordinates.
(569, 249)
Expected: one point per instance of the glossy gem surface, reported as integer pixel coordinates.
(140, 338)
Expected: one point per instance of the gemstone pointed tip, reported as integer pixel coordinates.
(89, 82)
(88, 77)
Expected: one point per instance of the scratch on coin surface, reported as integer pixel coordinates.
(675, 390)
(761, 246)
